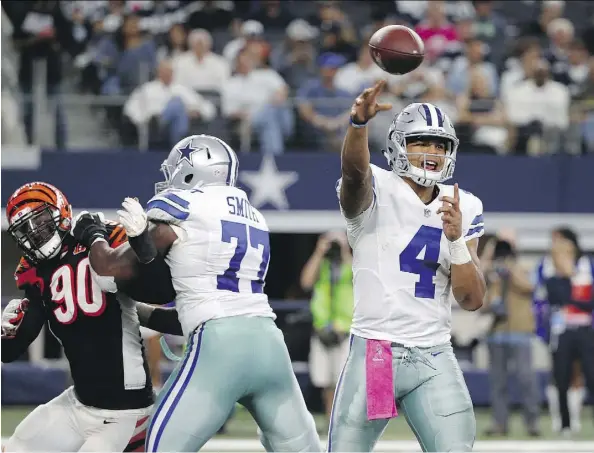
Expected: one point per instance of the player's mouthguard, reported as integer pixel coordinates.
(430, 165)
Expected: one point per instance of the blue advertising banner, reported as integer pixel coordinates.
(306, 181)
(296, 192)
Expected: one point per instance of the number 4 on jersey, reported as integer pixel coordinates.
(428, 238)
(240, 231)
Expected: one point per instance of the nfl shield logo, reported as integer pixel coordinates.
(427, 212)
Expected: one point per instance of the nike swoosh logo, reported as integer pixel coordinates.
(436, 353)
(105, 422)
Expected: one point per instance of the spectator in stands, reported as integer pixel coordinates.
(108, 18)
(211, 15)
(481, 120)
(436, 31)
(335, 40)
(575, 73)
(13, 132)
(323, 107)
(564, 283)
(256, 100)
(356, 76)
(509, 300)
(129, 58)
(175, 44)
(251, 31)
(538, 111)
(272, 14)
(157, 17)
(330, 11)
(584, 108)
(166, 108)
(41, 34)
(82, 30)
(104, 19)
(201, 69)
(490, 28)
(455, 49)
(561, 33)
(521, 68)
(549, 11)
(458, 80)
(295, 58)
(575, 77)
(328, 273)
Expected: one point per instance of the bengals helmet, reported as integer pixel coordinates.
(39, 217)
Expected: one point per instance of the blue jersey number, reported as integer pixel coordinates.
(240, 231)
(428, 238)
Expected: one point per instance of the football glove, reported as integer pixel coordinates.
(133, 217)
(88, 228)
(12, 316)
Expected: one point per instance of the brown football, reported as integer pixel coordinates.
(397, 49)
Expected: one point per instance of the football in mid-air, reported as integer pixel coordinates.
(397, 49)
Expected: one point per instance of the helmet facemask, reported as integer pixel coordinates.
(39, 233)
(164, 185)
(398, 157)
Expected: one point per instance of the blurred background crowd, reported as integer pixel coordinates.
(271, 75)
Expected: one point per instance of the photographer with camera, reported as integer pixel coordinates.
(328, 273)
(509, 301)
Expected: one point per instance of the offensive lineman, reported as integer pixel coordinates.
(414, 244)
(217, 247)
(107, 408)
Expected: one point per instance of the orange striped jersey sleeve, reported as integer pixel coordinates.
(117, 234)
(26, 275)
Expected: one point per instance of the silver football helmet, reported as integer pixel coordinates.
(421, 120)
(198, 161)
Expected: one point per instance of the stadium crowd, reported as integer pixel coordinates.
(271, 75)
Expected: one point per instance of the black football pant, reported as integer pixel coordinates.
(573, 344)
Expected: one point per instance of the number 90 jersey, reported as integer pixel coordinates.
(401, 263)
(219, 262)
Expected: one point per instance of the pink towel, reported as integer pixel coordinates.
(379, 378)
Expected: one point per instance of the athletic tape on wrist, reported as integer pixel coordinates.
(459, 253)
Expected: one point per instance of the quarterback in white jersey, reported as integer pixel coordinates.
(217, 247)
(414, 244)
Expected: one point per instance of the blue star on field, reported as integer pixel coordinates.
(186, 152)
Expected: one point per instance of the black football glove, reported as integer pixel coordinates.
(88, 228)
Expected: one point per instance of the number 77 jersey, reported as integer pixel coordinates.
(219, 261)
(401, 263)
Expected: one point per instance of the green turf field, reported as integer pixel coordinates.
(242, 425)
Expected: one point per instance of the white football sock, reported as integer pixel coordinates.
(575, 401)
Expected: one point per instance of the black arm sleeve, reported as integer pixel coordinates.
(559, 294)
(14, 347)
(152, 283)
(161, 319)
(144, 247)
(165, 320)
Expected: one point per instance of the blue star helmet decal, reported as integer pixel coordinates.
(186, 152)
(188, 149)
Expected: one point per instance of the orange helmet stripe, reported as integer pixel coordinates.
(33, 194)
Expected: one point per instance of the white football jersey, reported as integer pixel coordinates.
(219, 262)
(401, 263)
